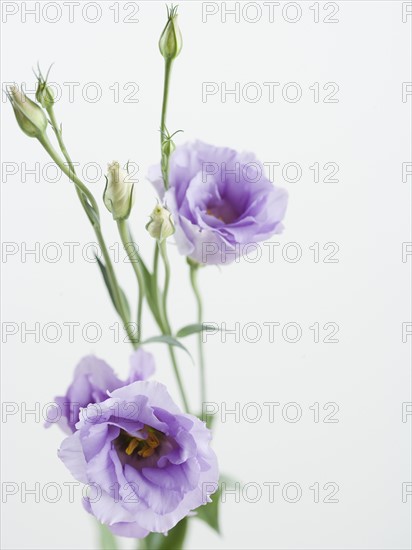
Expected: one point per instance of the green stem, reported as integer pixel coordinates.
(156, 262)
(178, 378)
(164, 155)
(117, 296)
(139, 314)
(44, 140)
(163, 252)
(59, 137)
(162, 322)
(134, 260)
(193, 279)
(58, 133)
(165, 324)
(92, 210)
(166, 329)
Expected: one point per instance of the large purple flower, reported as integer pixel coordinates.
(146, 463)
(92, 380)
(220, 200)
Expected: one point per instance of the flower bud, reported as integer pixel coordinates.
(168, 147)
(161, 224)
(118, 195)
(29, 115)
(170, 43)
(44, 95)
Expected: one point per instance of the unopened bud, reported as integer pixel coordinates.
(119, 192)
(29, 115)
(161, 224)
(168, 147)
(170, 43)
(44, 95)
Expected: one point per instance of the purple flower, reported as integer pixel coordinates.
(92, 380)
(147, 465)
(220, 200)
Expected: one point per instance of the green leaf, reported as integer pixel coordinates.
(169, 340)
(209, 513)
(152, 291)
(106, 279)
(229, 482)
(173, 541)
(193, 329)
(90, 211)
(107, 540)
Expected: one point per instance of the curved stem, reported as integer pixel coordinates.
(167, 328)
(92, 210)
(193, 279)
(58, 133)
(116, 290)
(44, 140)
(134, 260)
(59, 137)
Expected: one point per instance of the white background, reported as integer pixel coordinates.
(367, 133)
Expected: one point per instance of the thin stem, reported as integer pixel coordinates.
(161, 320)
(44, 140)
(139, 314)
(89, 204)
(156, 263)
(164, 155)
(117, 298)
(168, 66)
(178, 378)
(58, 133)
(167, 328)
(59, 137)
(193, 279)
(163, 251)
(134, 260)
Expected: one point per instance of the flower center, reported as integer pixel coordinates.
(143, 447)
(222, 211)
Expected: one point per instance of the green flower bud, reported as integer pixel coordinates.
(170, 43)
(118, 195)
(161, 224)
(168, 147)
(29, 115)
(44, 94)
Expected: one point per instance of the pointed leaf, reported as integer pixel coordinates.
(193, 329)
(151, 290)
(169, 340)
(106, 279)
(209, 513)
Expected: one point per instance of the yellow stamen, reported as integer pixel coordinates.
(152, 441)
(146, 452)
(134, 442)
(146, 447)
